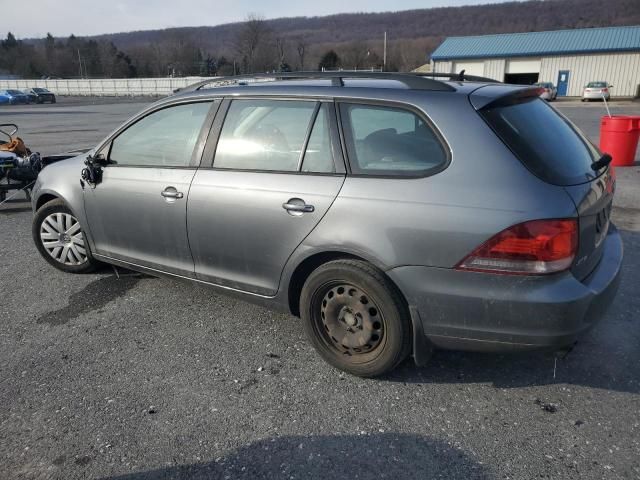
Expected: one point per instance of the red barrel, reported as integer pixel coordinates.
(619, 138)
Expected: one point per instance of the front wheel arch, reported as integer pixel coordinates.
(45, 198)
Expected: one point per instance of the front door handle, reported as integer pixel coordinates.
(297, 206)
(171, 192)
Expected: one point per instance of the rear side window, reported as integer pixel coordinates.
(548, 144)
(389, 141)
(264, 135)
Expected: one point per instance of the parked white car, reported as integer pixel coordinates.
(550, 91)
(596, 91)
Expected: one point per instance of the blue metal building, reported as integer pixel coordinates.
(568, 58)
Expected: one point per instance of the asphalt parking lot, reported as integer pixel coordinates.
(130, 377)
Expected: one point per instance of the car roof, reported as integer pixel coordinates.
(372, 89)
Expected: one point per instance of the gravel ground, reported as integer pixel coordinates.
(142, 378)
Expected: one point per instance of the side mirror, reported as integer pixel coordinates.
(100, 159)
(610, 86)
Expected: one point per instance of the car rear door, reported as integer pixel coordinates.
(276, 168)
(138, 212)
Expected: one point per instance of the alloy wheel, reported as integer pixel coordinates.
(62, 238)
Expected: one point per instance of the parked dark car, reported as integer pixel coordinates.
(15, 97)
(41, 95)
(32, 96)
(393, 213)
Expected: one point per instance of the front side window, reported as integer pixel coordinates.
(165, 138)
(393, 141)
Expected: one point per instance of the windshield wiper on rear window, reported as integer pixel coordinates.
(603, 161)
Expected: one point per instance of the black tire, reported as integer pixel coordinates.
(53, 100)
(84, 264)
(355, 299)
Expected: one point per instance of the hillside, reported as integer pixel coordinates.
(345, 40)
(429, 25)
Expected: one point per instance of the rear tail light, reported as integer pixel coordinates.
(531, 248)
(605, 90)
(547, 90)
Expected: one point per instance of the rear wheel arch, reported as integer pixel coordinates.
(311, 263)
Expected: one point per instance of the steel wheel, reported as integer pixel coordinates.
(62, 238)
(355, 317)
(351, 321)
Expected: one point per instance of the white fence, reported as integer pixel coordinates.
(120, 87)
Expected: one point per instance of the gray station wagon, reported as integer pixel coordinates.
(393, 213)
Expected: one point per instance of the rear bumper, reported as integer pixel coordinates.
(594, 95)
(485, 312)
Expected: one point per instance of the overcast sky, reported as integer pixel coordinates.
(34, 18)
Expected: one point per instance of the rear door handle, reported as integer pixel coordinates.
(171, 192)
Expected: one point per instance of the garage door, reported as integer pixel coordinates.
(523, 66)
(470, 68)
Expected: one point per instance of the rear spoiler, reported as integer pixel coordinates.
(497, 95)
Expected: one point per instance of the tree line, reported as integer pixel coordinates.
(349, 41)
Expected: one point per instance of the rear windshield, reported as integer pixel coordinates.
(597, 85)
(547, 143)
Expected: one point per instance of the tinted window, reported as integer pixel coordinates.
(264, 135)
(597, 85)
(318, 157)
(389, 141)
(544, 141)
(165, 138)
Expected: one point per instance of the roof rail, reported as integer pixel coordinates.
(460, 76)
(412, 81)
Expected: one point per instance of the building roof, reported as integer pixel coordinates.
(557, 42)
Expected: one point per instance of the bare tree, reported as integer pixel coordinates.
(354, 55)
(252, 34)
(301, 48)
(280, 51)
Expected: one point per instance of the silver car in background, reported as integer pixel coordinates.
(596, 91)
(392, 213)
(549, 91)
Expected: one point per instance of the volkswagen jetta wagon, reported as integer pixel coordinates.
(392, 213)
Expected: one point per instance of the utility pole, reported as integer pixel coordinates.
(80, 63)
(384, 55)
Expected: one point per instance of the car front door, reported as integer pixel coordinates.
(276, 171)
(137, 213)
